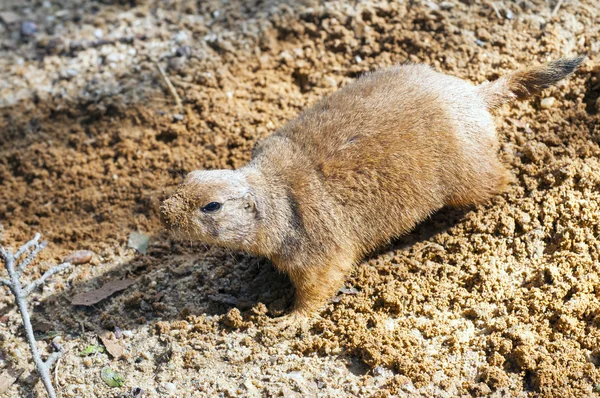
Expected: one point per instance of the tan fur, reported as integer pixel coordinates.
(356, 170)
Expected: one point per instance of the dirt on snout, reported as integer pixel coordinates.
(500, 300)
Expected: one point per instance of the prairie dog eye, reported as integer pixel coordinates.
(212, 207)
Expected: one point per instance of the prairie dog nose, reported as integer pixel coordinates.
(173, 211)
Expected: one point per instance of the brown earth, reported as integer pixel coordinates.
(501, 300)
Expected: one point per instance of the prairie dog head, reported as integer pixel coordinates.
(215, 207)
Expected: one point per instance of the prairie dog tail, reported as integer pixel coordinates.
(523, 84)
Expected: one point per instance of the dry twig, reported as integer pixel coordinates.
(556, 8)
(496, 10)
(178, 102)
(15, 266)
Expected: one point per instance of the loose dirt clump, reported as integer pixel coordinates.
(500, 300)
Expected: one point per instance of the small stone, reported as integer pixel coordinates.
(181, 37)
(127, 333)
(9, 17)
(483, 34)
(378, 371)
(250, 387)
(183, 51)
(170, 388)
(68, 73)
(28, 28)
(330, 81)
(98, 33)
(358, 59)
(79, 257)
(218, 140)
(178, 116)
(432, 6)
(446, 5)
(138, 241)
(114, 57)
(176, 63)
(295, 375)
(547, 102)
(509, 14)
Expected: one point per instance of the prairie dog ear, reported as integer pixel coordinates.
(253, 203)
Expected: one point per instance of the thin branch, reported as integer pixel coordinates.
(38, 248)
(496, 10)
(20, 295)
(54, 356)
(556, 8)
(54, 270)
(4, 254)
(27, 246)
(169, 85)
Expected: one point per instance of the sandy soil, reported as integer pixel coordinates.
(501, 300)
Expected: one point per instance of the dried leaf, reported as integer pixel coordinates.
(349, 290)
(112, 378)
(223, 298)
(113, 346)
(344, 291)
(94, 296)
(138, 242)
(41, 326)
(79, 257)
(91, 349)
(48, 336)
(8, 378)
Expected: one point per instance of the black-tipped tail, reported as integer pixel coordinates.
(526, 83)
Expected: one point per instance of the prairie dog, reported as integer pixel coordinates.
(354, 171)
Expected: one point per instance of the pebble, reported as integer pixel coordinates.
(28, 28)
(9, 17)
(176, 63)
(183, 51)
(330, 81)
(250, 387)
(127, 333)
(114, 57)
(68, 73)
(170, 388)
(295, 375)
(446, 5)
(547, 102)
(79, 257)
(98, 33)
(178, 116)
(181, 37)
